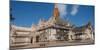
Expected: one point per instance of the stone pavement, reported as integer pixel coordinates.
(55, 44)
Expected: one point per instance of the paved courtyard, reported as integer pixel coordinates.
(55, 44)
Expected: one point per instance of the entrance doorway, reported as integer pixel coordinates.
(37, 38)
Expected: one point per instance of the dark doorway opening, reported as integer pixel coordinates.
(37, 38)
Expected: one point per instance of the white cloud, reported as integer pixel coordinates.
(62, 9)
(74, 9)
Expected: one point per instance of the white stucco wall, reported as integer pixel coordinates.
(88, 33)
(52, 34)
(22, 40)
(23, 33)
(71, 34)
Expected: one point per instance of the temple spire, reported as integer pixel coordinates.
(55, 5)
(56, 11)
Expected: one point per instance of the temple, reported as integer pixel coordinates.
(48, 32)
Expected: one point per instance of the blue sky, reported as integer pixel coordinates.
(28, 13)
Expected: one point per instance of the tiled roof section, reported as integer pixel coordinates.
(21, 28)
(82, 28)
